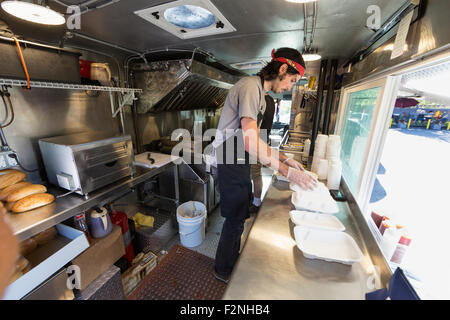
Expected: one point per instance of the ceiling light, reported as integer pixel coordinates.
(33, 12)
(301, 1)
(311, 57)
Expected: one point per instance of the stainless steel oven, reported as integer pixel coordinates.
(87, 161)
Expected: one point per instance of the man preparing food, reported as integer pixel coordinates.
(238, 138)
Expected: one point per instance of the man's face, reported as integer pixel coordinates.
(284, 81)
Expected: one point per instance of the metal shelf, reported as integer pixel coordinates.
(66, 86)
(28, 224)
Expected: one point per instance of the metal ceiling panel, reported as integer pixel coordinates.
(261, 25)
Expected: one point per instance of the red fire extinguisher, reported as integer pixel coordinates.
(120, 218)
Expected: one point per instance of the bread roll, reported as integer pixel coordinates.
(15, 276)
(27, 268)
(45, 236)
(9, 179)
(21, 264)
(5, 171)
(9, 205)
(25, 192)
(27, 246)
(32, 202)
(5, 192)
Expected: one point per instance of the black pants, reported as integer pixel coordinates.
(235, 195)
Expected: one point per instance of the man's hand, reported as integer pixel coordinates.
(304, 180)
(9, 251)
(294, 164)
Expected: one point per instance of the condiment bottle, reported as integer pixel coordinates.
(385, 224)
(377, 218)
(400, 249)
(81, 224)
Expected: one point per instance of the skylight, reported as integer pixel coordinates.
(188, 18)
(191, 17)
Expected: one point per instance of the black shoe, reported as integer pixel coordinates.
(220, 277)
(253, 209)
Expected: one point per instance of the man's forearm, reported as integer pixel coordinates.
(271, 157)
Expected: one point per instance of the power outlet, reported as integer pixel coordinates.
(6, 161)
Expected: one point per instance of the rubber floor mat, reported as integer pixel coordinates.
(182, 275)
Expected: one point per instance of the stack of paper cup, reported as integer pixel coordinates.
(334, 174)
(320, 147)
(322, 169)
(333, 147)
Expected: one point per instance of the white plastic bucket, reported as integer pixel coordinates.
(191, 229)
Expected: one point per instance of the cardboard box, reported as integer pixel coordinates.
(101, 255)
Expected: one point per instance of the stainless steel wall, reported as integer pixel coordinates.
(43, 113)
(425, 36)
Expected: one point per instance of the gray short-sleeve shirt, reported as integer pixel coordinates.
(245, 99)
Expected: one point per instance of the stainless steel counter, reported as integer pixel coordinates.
(28, 224)
(271, 266)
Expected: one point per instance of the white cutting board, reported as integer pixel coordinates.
(332, 246)
(161, 159)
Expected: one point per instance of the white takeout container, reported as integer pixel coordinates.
(332, 246)
(321, 188)
(316, 220)
(314, 201)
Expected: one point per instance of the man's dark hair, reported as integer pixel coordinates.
(270, 71)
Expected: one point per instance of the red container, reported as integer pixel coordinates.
(121, 219)
(85, 68)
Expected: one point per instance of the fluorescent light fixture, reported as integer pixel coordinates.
(301, 1)
(33, 12)
(311, 56)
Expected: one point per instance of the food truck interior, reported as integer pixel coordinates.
(110, 185)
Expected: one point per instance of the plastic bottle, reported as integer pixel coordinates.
(81, 224)
(389, 241)
(401, 249)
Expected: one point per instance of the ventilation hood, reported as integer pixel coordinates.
(184, 84)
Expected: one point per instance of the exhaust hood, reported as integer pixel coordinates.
(184, 84)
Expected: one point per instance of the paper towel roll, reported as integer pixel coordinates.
(322, 169)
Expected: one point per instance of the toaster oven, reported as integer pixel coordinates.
(85, 162)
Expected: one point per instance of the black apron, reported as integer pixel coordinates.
(235, 185)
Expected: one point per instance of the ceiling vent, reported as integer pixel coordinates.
(188, 19)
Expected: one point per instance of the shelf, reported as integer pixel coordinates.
(28, 224)
(65, 86)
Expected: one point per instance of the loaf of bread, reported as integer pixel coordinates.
(5, 171)
(22, 264)
(32, 202)
(45, 236)
(9, 205)
(15, 276)
(25, 192)
(27, 246)
(5, 192)
(11, 178)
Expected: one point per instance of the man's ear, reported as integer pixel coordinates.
(283, 69)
